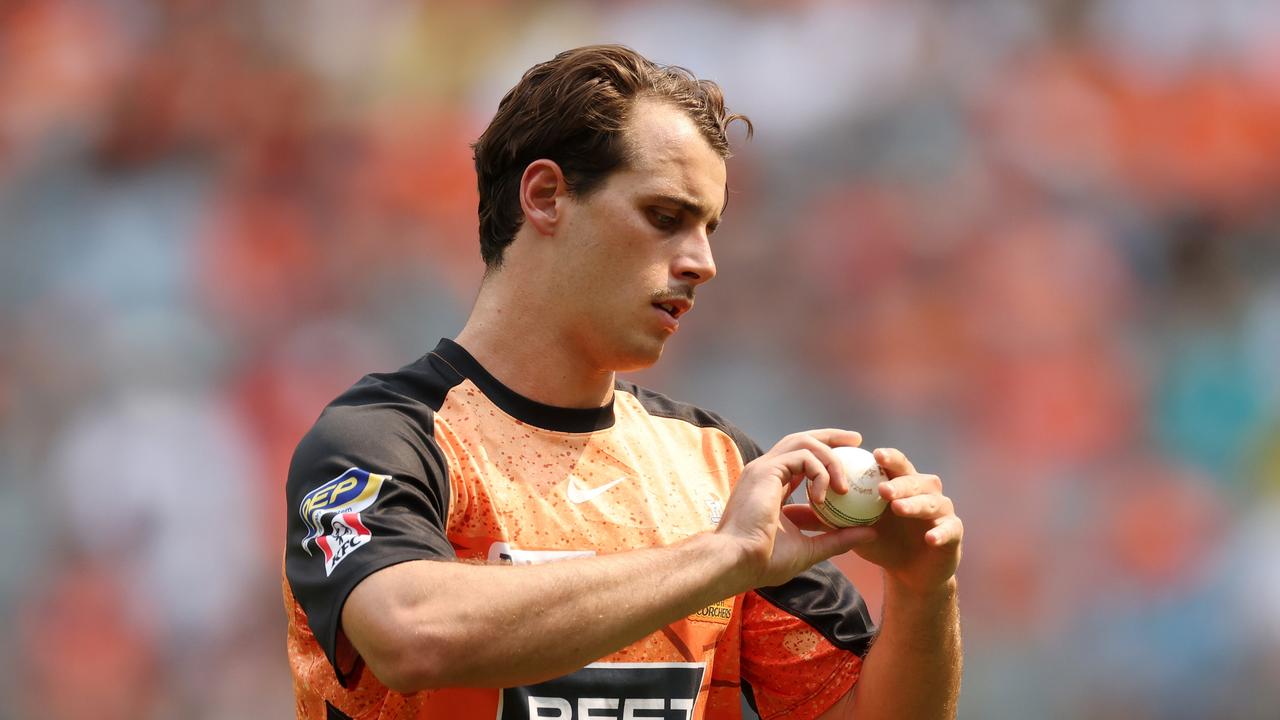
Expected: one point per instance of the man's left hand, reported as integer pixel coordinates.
(917, 539)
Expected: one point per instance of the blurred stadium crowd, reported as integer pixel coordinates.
(1034, 244)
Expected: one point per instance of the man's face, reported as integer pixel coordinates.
(640, 241)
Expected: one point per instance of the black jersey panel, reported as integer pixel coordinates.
(368, 488)
(749, 694)
(333, 713)
(825, 599)
(644, 691)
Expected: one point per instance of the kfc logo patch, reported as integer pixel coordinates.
(331, 514)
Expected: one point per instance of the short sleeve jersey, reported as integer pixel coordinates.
(440, 461)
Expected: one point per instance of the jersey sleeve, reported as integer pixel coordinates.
(368, 488)
(803, 643)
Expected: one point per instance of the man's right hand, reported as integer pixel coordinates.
(773, 547)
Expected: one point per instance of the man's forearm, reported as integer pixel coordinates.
(498, 626)
(914, 667)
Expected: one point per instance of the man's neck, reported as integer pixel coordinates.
(504, 338)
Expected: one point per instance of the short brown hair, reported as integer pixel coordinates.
(572, 110)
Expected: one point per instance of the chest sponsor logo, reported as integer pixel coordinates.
(715, 511)
(331, 514)
(579, 492)
(609, 691)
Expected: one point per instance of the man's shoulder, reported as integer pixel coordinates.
(658, 404)
(422, 384)
(380, 411)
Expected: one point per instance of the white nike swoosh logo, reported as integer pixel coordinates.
(579, 493)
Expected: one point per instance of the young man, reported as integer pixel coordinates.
(504, 529)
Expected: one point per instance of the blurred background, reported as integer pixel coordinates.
(1034, 244)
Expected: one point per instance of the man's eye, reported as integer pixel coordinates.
(663, 220)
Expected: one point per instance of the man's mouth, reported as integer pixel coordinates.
(674, 308)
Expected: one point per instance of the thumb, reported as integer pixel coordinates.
(838, 542)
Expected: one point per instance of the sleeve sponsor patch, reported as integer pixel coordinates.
(331, 514)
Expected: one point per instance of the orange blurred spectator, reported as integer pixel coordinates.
(84, 654)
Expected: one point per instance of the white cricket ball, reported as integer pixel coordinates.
(862, 505)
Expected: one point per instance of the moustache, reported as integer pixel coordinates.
(681, 293)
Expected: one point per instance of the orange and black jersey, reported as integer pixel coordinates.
(440, 461)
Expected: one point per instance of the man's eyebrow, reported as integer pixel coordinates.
(692, 206)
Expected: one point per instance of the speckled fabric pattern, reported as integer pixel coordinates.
(497, 478)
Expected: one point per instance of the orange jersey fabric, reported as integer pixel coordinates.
(440, 461)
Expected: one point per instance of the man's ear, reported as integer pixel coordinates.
(542, 189)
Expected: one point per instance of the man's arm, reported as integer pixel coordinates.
(428, 624)
(425, 624)
(913, 669)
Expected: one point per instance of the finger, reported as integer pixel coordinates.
(835, 437)
(817, 494)
(804, 463)
(894, 462)
(826, 437)
(905, 486)
(820, 443)
(923, 507)
(838, 542)
(803, 516)
(946, 530)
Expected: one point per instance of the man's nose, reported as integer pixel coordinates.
(695, 263)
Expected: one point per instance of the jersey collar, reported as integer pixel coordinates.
(532, 412)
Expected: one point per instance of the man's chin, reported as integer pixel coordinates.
(640, 356)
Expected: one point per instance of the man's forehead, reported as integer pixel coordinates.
(660, 123)
(672, 159)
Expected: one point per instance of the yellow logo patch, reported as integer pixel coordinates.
(718, 613)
